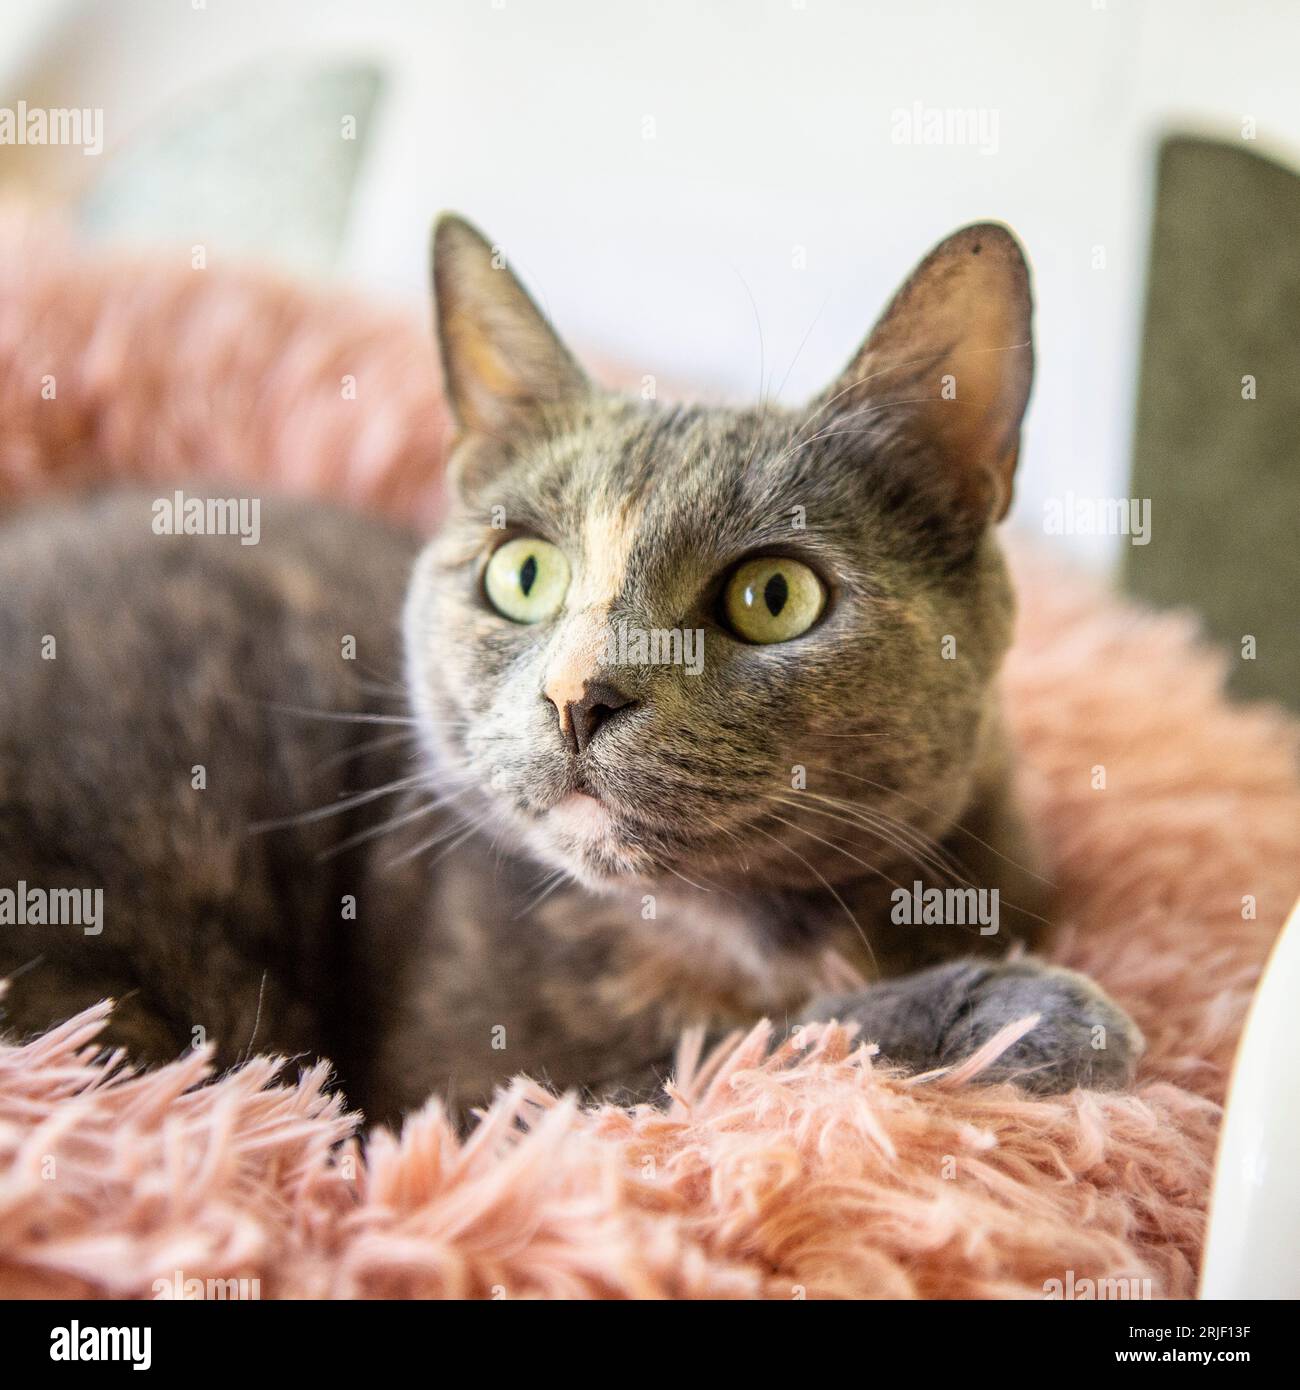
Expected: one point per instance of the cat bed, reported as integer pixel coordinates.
(814, 1173)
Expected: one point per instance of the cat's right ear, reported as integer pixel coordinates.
(951, 362)
(504, 367)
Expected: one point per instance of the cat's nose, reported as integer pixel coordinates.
(582, 719)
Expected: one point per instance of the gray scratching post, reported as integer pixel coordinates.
(1222, 470)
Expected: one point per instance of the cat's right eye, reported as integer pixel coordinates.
(526, 579)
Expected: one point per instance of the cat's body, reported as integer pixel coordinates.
(578, 853)
(153, 711)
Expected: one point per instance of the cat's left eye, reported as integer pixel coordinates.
(773, 599)
(527, 579)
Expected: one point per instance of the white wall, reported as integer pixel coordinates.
(773, 130)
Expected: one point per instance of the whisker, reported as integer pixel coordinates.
(377, 685)
(257, 1021)
(936, 869)
(690, 882)
(830, 844)
(346, 804)
(443, 835)
(474, 829)
(856, 924)
(731, 834)
(395, 823)
(957, 826)
(892, 832)
(803, 342)
(347, 754)
(340, 716)
(829, 734)
(552, 882)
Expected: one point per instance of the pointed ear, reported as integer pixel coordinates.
(954, 351)
(503, 364)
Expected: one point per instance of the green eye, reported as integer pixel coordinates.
(527, 579)
(772, 599)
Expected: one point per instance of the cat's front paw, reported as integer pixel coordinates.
(940, 1016)
(1082, 1038)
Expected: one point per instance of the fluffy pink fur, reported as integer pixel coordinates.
(813, 1174)
(160, 372)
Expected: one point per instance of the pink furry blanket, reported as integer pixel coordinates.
(812, 1174)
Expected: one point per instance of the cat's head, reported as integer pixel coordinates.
(713, 643)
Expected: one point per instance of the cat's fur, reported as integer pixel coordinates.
(394, 858)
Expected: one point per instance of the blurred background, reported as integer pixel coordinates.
(724, 196)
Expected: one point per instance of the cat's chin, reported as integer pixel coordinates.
(582, 817)
(580, 833)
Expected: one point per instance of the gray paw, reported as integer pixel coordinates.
(940, 1016)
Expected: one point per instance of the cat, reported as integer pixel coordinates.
(685, 715)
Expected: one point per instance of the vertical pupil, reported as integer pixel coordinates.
(528, 575)
(775, 593)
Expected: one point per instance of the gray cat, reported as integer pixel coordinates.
(684, 715)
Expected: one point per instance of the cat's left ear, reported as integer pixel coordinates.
(953, 356)
(503, 363)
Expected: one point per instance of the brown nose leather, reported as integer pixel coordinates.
(582, 719)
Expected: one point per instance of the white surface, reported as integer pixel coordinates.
(1253, 1246)
(774, 124)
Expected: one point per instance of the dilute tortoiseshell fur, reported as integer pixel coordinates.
(454, 930)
